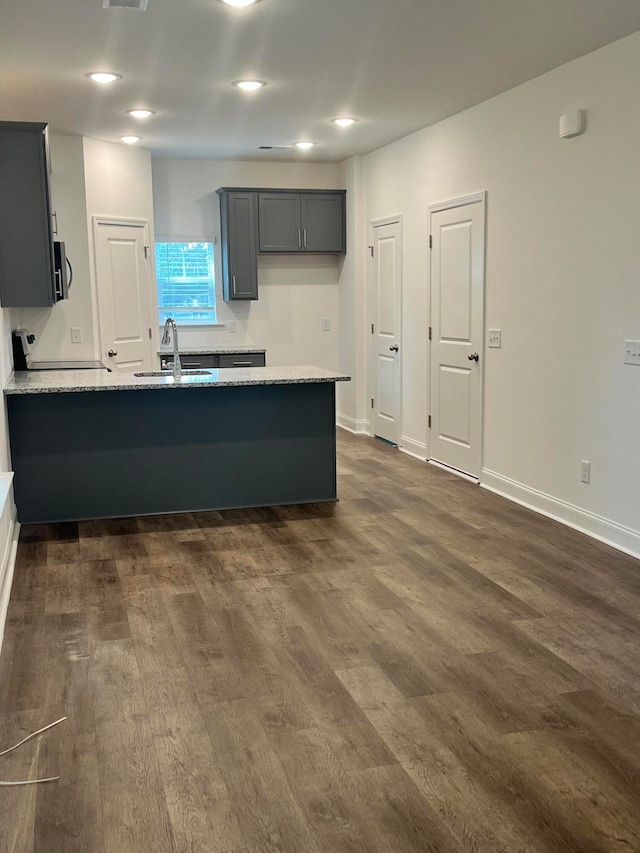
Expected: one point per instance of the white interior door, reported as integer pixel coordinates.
(457, 320)
(125, 301)
(386, 329)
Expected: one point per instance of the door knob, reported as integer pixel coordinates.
(394, 348)
(112, 353)
(474, 357)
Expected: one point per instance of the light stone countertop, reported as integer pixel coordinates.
(61, 381)
(214, 351)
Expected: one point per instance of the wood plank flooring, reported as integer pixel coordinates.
(422, 666)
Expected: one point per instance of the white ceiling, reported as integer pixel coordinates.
(398, 65)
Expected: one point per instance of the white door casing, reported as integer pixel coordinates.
(386, 283)
(126, 306)
(457, 232)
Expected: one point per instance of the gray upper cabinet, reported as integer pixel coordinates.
(280, 223)
(294, 221)
(238, 220)
(323, 222)
(26, 239)
(255, 221)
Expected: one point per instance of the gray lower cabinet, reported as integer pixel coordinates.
(242, 359)
(312, 222)
(26, 240)
(131, 452)
(216, 360)
(238, 220)
(190, 362)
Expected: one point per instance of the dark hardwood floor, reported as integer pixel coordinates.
(421, 667)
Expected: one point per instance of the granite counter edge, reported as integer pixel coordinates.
(164, 385)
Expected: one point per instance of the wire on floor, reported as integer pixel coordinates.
(24, 740)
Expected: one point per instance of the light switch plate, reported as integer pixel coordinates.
(231, 326)
(495, 338)
(632, 352)
(326, 324)
(76, 335)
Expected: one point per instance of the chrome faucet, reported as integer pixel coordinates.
(171, 329)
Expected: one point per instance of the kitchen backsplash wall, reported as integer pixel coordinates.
(296, 293)
(90, 177)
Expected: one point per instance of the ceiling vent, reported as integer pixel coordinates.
(141, 5)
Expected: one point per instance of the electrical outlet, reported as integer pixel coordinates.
(231, 326)
(76, 335)
(326, 324)
(585, 471)
(632, 352)
(495, 338)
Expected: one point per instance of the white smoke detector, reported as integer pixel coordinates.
(572, 124)
(141, 5)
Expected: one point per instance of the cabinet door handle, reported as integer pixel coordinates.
(233, 283)
(304, 231)
(112, 353)
(191, 363)
(242, 363)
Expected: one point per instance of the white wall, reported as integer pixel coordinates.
(296, 292)
(563, 282)
(118, 185)
(352, 411)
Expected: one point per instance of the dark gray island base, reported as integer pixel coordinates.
(93, 454)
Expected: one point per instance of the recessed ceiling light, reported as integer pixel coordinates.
(304, 145)
(344, 122)
(103, 76)
(131, 140)
(125, 4)
(249, 85)
(141, 113)
(239, 3)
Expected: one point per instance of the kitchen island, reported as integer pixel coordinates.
(91, 444)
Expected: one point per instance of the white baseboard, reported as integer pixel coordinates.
(9, 531)
(413, 448)
(354, 426)
(610, 532)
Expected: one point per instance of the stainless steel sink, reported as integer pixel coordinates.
(170, 373)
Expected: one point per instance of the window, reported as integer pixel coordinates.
(186, 283)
